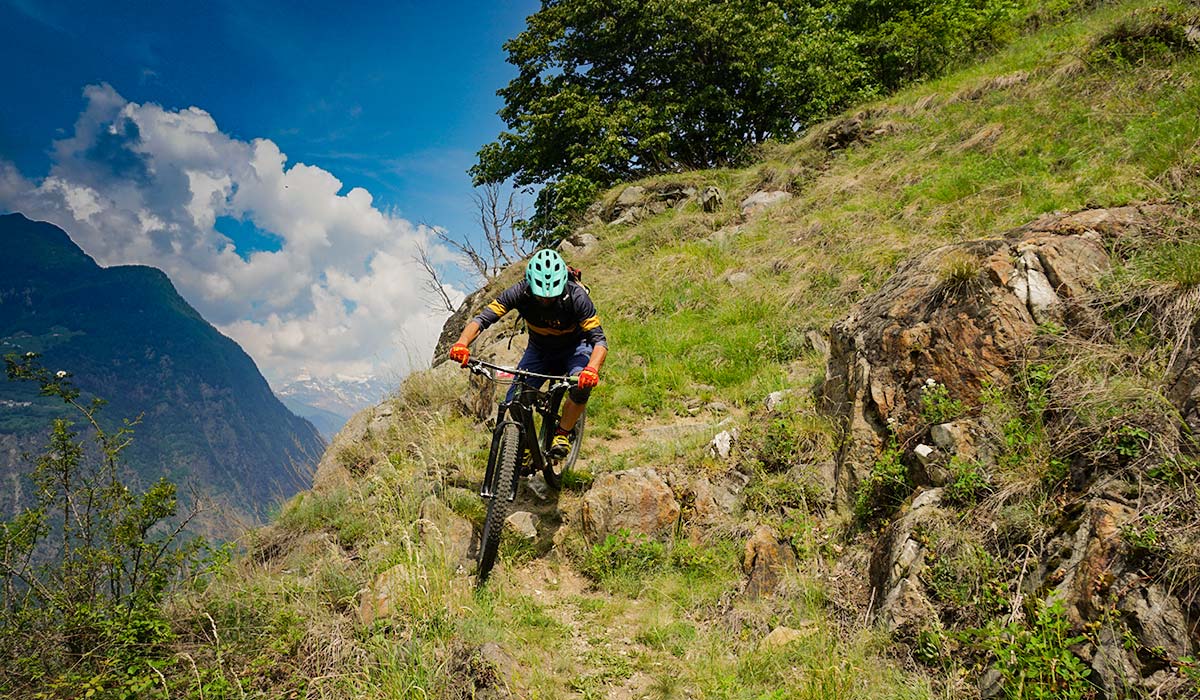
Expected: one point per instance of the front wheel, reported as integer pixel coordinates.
(493, 525)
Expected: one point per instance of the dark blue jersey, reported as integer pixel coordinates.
(559, 325)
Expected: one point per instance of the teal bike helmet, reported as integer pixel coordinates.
(546, 273)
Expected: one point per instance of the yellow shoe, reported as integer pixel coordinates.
(560, 446)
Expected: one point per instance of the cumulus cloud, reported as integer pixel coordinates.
(340, 297)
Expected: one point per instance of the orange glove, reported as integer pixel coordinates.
(460, 353)
(589, 377)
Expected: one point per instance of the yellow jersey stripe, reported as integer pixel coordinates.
(589, 324)
(549, 331)
(498, 308)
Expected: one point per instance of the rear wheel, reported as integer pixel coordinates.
(554, 470)
(493, 525)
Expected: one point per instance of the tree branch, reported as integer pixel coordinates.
(433, 280)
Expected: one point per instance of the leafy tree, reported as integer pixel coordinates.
(83, 570)
(611, 90)
(910, 40)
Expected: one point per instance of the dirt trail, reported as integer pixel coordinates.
(603, 645)
(606, 658)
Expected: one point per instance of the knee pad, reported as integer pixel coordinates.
(579, 396)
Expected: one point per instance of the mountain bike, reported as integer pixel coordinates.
(521, 441)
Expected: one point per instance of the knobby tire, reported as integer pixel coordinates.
(493, 525)
(554, 471)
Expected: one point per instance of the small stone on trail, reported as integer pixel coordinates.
(524, 523)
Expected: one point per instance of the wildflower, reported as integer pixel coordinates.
(931, 382)
(30, 354)
(61, 374)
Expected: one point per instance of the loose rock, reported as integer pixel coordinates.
(637, 500)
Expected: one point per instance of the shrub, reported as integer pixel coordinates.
(623, 554)
(968, 482)
(885, 487)
(84, 570)
(966, 579)
(1146, 34)
(1034, 657)
(936, 404)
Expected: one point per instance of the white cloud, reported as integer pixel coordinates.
(341, 296)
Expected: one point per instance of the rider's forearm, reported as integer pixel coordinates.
(470, 333)
(598, 354)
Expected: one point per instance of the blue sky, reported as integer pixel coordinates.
(281, 161)
(394, 97)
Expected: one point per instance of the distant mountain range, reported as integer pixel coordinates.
(209, 419)
(329, 403)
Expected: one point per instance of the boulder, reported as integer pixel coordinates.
(724, 235)
(722, 444)
(736, 278)
(844, 132)
(761, 200)
(925, 454)
(443, 531)
(766, 559)
(386, 596)
(631, 196)
(579, 243)
(711, 199)
(711, 503)
(636, 500)
(954, 438)
(775, 399)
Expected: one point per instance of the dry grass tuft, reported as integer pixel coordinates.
(982, 140)
(1001, 82)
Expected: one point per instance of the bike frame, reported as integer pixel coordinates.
(520, 411)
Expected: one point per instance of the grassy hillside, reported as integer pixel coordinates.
(707, 314)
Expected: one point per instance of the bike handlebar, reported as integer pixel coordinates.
(478, 367)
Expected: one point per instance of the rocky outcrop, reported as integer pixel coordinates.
(453, 326)
(959, 315)
(898, 594)
(1183, 379)
(445, 534)
(637, 203)
(961, 318)
(1093, 572)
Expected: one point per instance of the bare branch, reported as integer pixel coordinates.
(497, 218)
(433, 280)
(479, 264)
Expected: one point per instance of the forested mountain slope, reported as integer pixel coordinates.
(208, 419)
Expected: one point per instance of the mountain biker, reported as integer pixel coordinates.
(565, 336)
